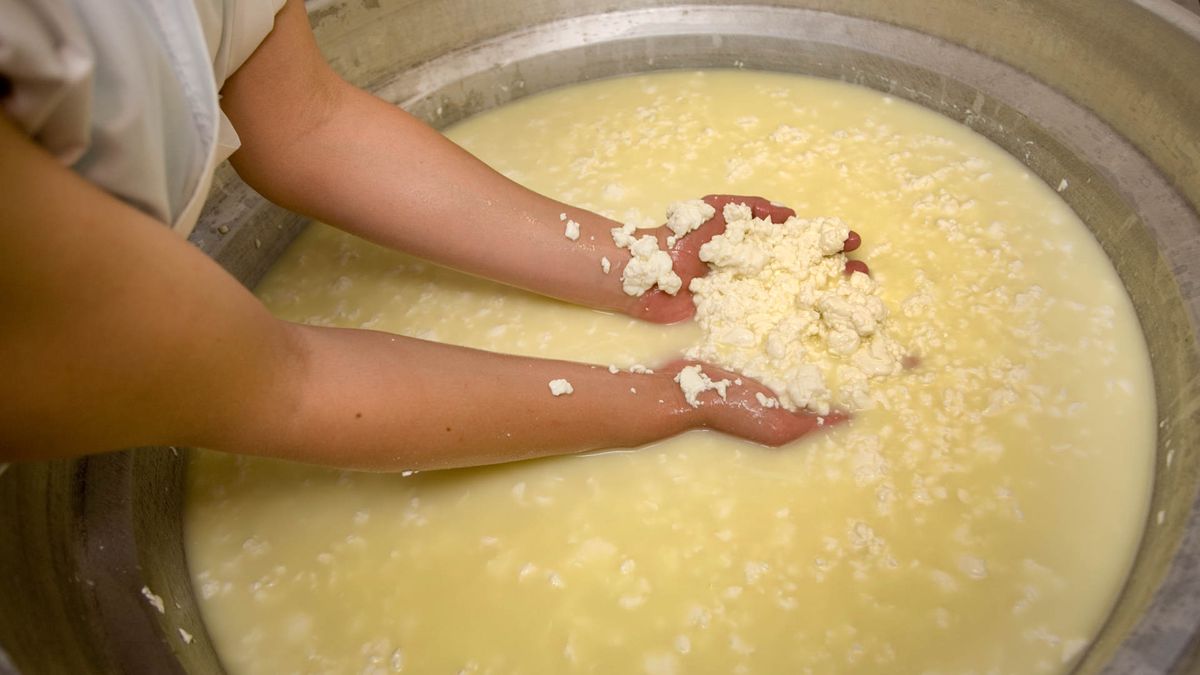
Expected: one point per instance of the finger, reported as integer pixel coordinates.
(834, 418)
(853, 241)
(659, 307)
(741, 413)
(780, 427)
(768, 210)
(759, 207)
(853, 266)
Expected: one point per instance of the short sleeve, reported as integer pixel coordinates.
(234, 29)
(125, 92)
(244, 25)
(46, 56)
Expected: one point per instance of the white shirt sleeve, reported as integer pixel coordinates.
(125, 91)
(44, 54)
(244, 24)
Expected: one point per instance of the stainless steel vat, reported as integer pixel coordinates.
(1103, 94)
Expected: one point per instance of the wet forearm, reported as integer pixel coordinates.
(319, 146)
(385, 402)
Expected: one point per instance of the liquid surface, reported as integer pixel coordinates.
(979, 519)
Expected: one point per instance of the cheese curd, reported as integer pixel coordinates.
(685, 216)
(694, 381)
(648, 265)
(949, 526)
(777, 306)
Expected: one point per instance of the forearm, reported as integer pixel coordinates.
(117, 326)
(375, 171)
(319, 146)
(117, 333)
(384, 402)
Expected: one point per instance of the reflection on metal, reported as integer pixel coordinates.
(1106, 98)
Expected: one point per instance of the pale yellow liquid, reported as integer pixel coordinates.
(979, 522)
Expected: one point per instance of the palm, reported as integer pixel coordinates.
(659, 307)
(742, 414)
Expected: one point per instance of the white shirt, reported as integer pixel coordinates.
(125, 91)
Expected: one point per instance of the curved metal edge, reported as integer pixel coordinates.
(48, 604)
(157, 500)
(133, 560)
(73, 594)
(94, 536)
(1179, 13)
(241, 230)
(127, 619)
(455, 85)
(109, 554)
(502, 60)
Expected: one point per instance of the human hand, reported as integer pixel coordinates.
(659, 307)
(740, 412)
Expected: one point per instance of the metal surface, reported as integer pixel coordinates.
(1107, 98)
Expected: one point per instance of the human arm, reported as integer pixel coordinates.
(319, 146)
(419, 404)
(114, 332)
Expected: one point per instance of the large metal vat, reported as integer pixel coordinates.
(1103, 94)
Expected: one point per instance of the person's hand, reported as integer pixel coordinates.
(739, 413)
(659, 307)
